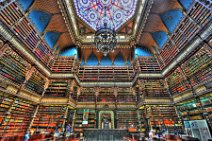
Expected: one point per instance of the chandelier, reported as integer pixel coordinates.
(105, 40)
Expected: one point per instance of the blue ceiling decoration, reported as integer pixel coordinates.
(186, 3)
(112, 12)
(51, 38)
(92, 60)
(69, 52)
(40, 19)
(106, 61)
(119, 60)
(25, 4)
(160, 38)
(171, 19)
(141, 51)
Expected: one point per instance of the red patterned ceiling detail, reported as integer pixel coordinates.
(57, 24)
(49, 6)
(154, 24)
(161, 6)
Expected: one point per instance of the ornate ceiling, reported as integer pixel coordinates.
(65, 23)
(85, 16)
(100, 13)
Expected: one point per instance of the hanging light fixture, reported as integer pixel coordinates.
(105, 40)
(105, 17)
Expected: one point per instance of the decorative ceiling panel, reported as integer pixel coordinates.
(57, 23)
(100, 13)
(49, 6)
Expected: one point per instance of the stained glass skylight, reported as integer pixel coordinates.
(98, 12)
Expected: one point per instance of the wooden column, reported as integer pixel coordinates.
(167, 87)
(33, 117)
(71, 89)
(37, 107)
(116, 95)
(96, 96)
(73, 121)
(64, 119)
(46, 85)
(78, 93)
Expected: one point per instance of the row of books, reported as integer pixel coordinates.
(15, 115)
(163, 117)
(63, 64)
(153, 88)
(12, 65)
(127, 119)
(49, 119)
(13, 17)
(36, 83)
(195, 71)
(106, 73)
(57, 88)
(195, 19)
(147, 65)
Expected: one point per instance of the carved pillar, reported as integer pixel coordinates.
(116, 95)
(73, 121)
(74, 63)
(78, 92)
(71, 89)
(64, 119)
(134, 93)
(33, 117)
(46, 85)
(166, 86)
(96, 96)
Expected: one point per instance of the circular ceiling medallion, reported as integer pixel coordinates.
(96, 13)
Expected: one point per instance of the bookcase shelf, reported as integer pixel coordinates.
(43, 52)
(87, 95)
(78, 126)
(12, 66)
(125, 95)
(48, 119)
(177, 82)
(206, 102)
(196, 110)
(15, 115)
(36, 83)
(190, 110)
(105, 74)
(106, 95)
(153, 88)
(127, 119)
(64, 65)
(147, 65)
(13, 17)
(57, 88)
(198, 17)
(13, 11)
(163, 117)
(198, 67)
(143, 125)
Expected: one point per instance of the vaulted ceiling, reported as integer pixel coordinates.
(148, 27)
